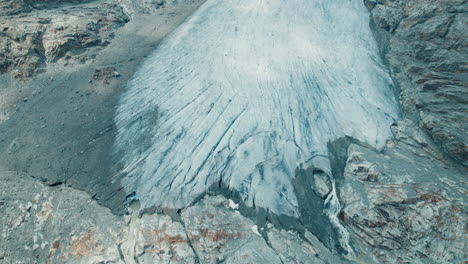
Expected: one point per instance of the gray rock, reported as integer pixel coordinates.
(70, 34)
(408, 203)
(322, 184)
(220, 234)
(425, 44)
(43, 224)
(407, 207)
(157, 239)
(291, 248)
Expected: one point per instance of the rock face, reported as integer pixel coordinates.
(35, 33)
(408, 207)
(425, 43)
(42, 224)
(63, 225)
(407, 203)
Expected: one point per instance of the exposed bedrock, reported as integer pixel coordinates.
(36, 33)
(404, 204)
(425, 44)
(62, 225)
(407, 203)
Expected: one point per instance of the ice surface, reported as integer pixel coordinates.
(247, 91)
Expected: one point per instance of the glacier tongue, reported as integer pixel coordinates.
(247, 91)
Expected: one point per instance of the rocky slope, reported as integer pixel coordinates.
(35, 33)
(406, 205)
(62, 225)
(408, 202)
(425, 43)
(66, 113)
(65, 64)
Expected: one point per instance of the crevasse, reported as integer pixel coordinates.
(247, 91)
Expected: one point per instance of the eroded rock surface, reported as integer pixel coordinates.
(157, 239)
(407, 205)
(42, 224)
(35, 33)
(425, 44)
(408, 202)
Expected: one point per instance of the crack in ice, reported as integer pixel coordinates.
(247, 91)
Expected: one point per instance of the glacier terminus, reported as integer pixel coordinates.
(244, 93)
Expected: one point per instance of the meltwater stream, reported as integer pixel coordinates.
(247, 91)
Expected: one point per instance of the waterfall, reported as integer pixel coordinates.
(332, 208)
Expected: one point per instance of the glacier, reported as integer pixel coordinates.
(244, 93)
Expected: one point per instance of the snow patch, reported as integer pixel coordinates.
(233, 205)
(255, 230)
